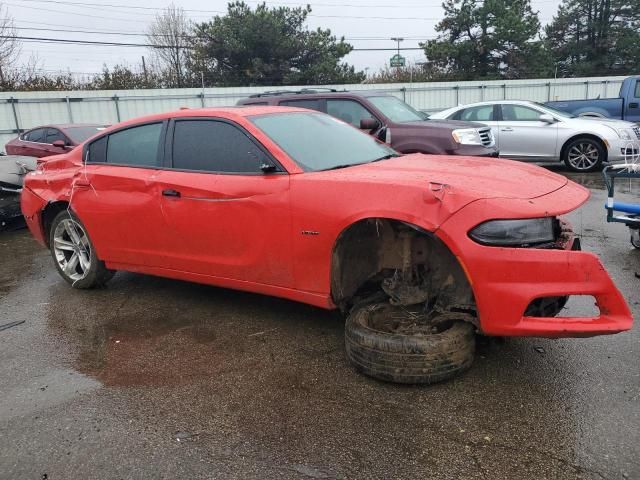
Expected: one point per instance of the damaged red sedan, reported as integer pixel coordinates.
(422, 253)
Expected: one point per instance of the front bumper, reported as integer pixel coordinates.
(506, 280)
(623, 151)
(476, 151)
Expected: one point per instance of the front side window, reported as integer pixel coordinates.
(348, 111)
(214, 146)
(311, 104)
(483, 113)
(53, 135)
(397, 110)
(319, 142)
(519, 113)
(135, 146)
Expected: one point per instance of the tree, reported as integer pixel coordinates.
(487, 39)
(595, 37)
(169, 34)
(9, 46)
(269, 46)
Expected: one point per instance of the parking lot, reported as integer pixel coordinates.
(155, 378)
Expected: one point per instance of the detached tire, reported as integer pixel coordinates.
(378, 344)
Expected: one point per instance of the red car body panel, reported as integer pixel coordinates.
(280, 230)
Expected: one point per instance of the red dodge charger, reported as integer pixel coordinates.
(421, 251)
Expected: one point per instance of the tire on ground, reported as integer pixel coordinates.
(584, 140)
(403, 358)
(98, 274)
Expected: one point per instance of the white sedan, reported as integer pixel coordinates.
(534, 132)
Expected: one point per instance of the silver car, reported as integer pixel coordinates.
(534, 132)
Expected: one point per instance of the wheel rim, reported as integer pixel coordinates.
(583, 156)
(72, 249)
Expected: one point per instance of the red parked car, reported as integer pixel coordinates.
(421, 252)
(51, 139)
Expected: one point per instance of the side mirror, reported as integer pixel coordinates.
(369, 124)
(59, 144)
(546, 118)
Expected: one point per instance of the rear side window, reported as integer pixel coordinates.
(98, 151)
(311, 104)
(37, 135)
(483, 113)
(135, 146)
(214, 146)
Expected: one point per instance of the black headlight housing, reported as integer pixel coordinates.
(517, 232)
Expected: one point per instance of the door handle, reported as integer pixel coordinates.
(506, 129)
(82, 184)
(170, 193)
(633, 105)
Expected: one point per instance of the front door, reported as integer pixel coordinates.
(115, 196)
(523, 136)
(224, 216)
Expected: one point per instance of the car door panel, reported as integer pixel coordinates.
(524, 139)
(220, 223)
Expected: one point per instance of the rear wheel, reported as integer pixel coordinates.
(74, 255)
(395, 344)
(584, 155)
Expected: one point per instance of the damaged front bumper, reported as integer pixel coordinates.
(506, 280)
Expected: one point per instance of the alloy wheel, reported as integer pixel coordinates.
(72, 249)
(583, 156)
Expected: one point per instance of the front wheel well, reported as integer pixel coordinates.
(48, 214)
(381, 258)
(563, 150)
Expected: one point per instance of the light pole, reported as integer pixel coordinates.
(397, 39)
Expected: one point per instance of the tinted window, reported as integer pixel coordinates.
(320, 142)
(80, 134)
(637, 92)
(213, 146)
(53, 134)
(311, 104)
(483, 113)
(135, 146)
(397, 110)
(37, 135)
(518, 113)
(98, 151)
(348, 111)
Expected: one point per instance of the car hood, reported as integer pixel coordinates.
(609, 122)
(442, 124)
(465, 178)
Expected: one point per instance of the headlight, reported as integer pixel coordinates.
(626, 134)
(514, 232)
(467, 136)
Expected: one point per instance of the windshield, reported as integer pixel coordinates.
(319, 142)
(555, 111)
(397, 110)
(80, 134)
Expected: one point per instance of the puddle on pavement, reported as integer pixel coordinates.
(18, 250)
(143, 330)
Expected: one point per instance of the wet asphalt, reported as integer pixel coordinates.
(156, 378)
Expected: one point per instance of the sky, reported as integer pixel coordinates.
(364, 24)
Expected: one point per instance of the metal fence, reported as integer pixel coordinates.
(20, 111)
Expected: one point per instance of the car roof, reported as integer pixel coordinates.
(494, 102)
(229, 113)
(64, 126)
(313, 93)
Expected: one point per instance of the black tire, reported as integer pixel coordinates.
(407, 358)
(96, 274)
(594, 155)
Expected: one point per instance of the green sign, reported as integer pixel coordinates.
(397, 60)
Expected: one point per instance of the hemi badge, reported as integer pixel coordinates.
(310, 232)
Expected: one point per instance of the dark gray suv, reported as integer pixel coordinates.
(389, 119)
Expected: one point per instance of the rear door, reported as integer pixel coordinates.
(33, 143)
(224, 216)
(523, 136)
(116, 198)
